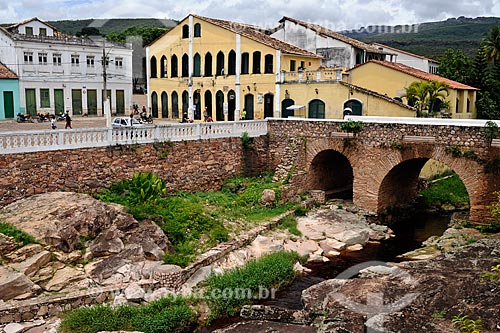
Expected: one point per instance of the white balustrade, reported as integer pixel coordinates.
(49, 140)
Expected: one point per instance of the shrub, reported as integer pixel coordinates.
(142, 188)
(467, 325)
(164, 315)
(19, 236)
(226, 293)
(351, 126)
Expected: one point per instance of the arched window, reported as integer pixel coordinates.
(256, 62)
(231, 105)
(220, 64)
(245, 63)
(285, 113)
(154, 104)
(197, 30)
(197, 65)
(164, 105)
(163, 67)
(249, 106)
(268, 105)
(197, 105)
(208, 64)
(355, 106)
(219, 106)
(185, 104)
(175, 105)
(154, 73)
(185, 31)
(317, 109)
(174, 69)
(185, 65)
(208, 102)
(231, 63)
(268, 63)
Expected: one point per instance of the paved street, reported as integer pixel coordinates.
(77, 122)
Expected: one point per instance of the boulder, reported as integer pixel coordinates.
(328, 245)
(107, 243)
(307, 247)
(13, 284)
(134, 293)
(268, 197)
(13, 328)
(24, 253)
(354, 236)
(7, 244)
(63, 278)
(31, 265)
(63, 219)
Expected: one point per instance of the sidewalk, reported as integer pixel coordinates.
(76, 122)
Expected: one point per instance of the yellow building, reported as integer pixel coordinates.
(228, 67)
(391, 79)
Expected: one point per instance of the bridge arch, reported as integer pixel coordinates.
(399, 185)
(331, 172)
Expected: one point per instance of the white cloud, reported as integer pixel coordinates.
(335, 14)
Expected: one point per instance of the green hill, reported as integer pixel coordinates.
(431, 39)
(105, 27)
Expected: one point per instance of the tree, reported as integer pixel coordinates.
(437, 93)
(416, 94)
(426, 95)
(487, 106)
(491, 44)
(479, 70)
(455, 65)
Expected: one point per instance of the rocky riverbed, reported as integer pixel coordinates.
(119, 250)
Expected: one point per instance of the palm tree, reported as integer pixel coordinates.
(416, 94)
(437, 92)
(491, 44)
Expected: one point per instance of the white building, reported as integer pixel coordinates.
(337, 50)
(409, 59)
(58, 72)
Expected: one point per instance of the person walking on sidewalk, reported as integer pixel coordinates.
(68, 121)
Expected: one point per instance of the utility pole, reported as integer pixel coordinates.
(107, 108)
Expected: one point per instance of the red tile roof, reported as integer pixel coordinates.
(329, 33)
(419, 74)
(402, 51)
(258, 34)
(29, 20)
(376, 94)
(6, 73)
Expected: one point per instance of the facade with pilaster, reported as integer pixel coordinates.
(59, 73)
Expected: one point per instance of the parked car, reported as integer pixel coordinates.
(126, 122)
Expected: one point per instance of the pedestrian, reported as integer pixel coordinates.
(243, 114)
(53, 122)
(68, 121)
(205, 113)
(209, 119)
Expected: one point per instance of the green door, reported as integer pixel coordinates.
(59, 101)
(92, 102)
(8, 104)
(120, 102)
(31, 102)
(76, 101)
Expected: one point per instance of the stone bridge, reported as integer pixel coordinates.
(381, 164)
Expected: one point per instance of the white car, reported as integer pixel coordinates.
(126, 122)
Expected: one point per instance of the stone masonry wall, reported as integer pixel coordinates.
(378, 149)
(200, 165)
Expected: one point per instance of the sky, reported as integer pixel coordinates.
(336, 15)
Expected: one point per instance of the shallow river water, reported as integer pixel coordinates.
(410, 234)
